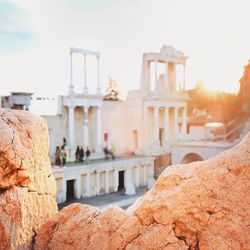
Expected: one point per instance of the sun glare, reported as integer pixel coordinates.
(221, 87)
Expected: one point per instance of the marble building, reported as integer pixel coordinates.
(145, 124)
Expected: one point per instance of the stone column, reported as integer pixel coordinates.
(184, 122)
(166, 127)
(184, 77)
(107, 182)
(156, 79)
(145, 81)
(176, 123)
(166, 78)
(138, 176)
(77, 187)
(71, 109)
(129, 187)
(98, 130)
(151, 179)
(87, 185)
(156, 126)
(98, 89)
(172, 77)
(116, 180)
(147, 139)
(97, 183)
(71, 87)
(64, 190)
(145, 175)
(85, 88)
(85, 127)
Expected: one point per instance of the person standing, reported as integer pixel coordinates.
(64, 142)
(87, 155)
(112, 151)
(63, 155)
(77, 154)
(106, 151)
(81, 154)
(57, 156)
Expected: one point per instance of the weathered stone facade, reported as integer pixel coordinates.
(105, 177)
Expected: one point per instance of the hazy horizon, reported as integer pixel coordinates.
(35, 37)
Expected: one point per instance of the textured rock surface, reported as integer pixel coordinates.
(27, 188)
(202, 205)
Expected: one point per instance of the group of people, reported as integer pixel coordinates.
(109, 151)
(79, 154)
(61, 154)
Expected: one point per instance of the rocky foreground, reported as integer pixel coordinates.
(27, 187)
(202, 205)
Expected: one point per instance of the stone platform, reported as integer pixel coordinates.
(103, 177)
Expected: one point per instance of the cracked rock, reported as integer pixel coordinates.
(27, 194)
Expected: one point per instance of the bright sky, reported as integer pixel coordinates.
(35, 36)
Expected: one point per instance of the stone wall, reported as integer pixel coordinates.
(103, 177)
(161, 162)
(27, 187)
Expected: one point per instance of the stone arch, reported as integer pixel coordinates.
(191, 157)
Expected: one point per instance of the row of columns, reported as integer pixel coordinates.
(148, 180)
(85, 87)
(167, 72)
(89, 186)
(167, 123)
(129, 187)
(71, 109)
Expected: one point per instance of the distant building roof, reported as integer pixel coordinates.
(21, 93)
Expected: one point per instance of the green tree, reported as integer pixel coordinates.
(112, 91)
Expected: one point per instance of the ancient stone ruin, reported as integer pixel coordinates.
(202, 205)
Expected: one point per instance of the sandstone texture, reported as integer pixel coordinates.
(201, 205)
(27, 186)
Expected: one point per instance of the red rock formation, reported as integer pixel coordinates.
(202, 205)
(27, 188)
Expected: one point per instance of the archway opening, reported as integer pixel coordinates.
(121, 181)
(191, 158)
(70, 194)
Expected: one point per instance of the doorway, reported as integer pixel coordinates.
(121, 181)
(70, 194)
